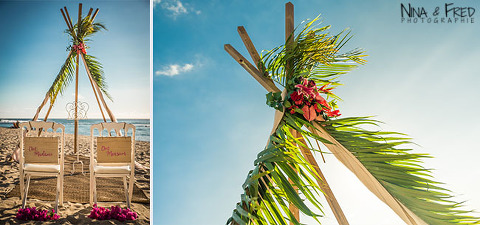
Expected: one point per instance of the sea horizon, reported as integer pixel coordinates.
(142, 126)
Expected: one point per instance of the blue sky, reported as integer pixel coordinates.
(34, 45)
(210, 116)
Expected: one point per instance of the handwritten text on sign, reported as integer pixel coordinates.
(41, 149)
(113, 149)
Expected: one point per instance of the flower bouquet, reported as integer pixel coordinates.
(114, 212)
(34, 214)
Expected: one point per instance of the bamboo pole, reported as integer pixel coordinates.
(69, 19)
(322, 182)
(75, 142)
(110, 114)
(95, 92)
(94, 14)
(292, 207)
(66, 21)
(66, 16)
(289, 23)
(357, 168)
(251, 49)
(48, 112)
(47, 96)
(89, 12)
(289, 28)
(264, 81)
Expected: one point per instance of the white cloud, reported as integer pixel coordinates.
(174, 69)
(156, 2)
(176, 7)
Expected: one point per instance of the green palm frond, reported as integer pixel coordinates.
(63, 78)
(96, 70)
(399, 171)
(280, 171)
(281, 167)
(85, 29)
(315, 54)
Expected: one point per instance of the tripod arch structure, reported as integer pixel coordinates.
(79, 34)
(286, 175)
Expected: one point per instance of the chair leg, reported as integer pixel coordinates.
(22, 184)
(126, 191)
(95, 190)
(92, 178)
(57, 194)
(130, 189)
(61, 189)
(26, 192)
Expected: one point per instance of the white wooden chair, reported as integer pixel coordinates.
(114, 156)
(40, 156)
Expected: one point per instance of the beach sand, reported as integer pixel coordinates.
(70, 212)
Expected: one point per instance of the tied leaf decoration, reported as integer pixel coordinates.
(274, 100)
(283, 174)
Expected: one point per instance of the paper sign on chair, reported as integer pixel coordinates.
(114, 149)
(41, 150)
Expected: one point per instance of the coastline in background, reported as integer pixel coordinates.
(142, 125)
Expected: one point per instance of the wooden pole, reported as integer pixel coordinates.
(291, 207)
(66, 20)
(48, 112)
(322, 182)
(270, 86)
(357, 168)
(90, 12)
(68, 17)
(95, 92)
(94, 14)
(264, 81)
(47, 96)
(289, 23)
(289, 28)
(251, 49)
(110, 114)
(75, 142)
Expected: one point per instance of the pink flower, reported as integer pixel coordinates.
(115, 212)
(34, 214)
(305, 88)
(297, 97)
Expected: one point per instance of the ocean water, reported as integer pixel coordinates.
(142, 126)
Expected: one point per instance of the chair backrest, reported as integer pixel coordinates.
(39, 149)
(113, 149)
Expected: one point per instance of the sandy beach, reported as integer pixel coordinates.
(70, 212)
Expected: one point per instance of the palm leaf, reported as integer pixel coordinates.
(96, 70)
(63, 78)
(85, 29)
(399, 171)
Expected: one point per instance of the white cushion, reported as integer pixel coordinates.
(41, 167)
(112, 169)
